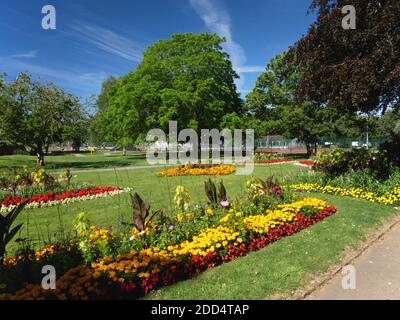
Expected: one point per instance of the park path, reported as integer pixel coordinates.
(377, 273)
(150, 166)
(116, 169)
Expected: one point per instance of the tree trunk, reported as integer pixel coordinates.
(40, 158)
(124, 151)
(309, 149)
(46, 148)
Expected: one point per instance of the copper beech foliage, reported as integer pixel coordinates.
(354, 70)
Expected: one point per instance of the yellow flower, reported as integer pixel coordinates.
(387, 198)
(210, 212)
(188, 171)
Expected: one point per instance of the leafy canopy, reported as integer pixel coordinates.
(273, 105)
(34, 115)
(187, 78)
(356, 70)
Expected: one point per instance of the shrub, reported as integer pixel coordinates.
(216, 196)
(264, 156)
(332, 162)
(392, 150)
(338, 162)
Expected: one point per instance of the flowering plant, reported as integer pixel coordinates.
(197, 171)
(216, 196)
(54, 199)
(142, 215)
(138, 272)
(182, 198)
(258, 188)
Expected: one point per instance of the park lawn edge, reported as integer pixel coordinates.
(289, 264)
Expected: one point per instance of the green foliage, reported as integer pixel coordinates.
(81, 223)
(26, 182)
(94, 242)
(181, 199)
(273, 101)
(187, 78)
(215, 195)
(29, 270)
(66, 175)
(35, 115)
(364, 179)
(97, 131)
(141, 213)
(355, 70)
(264, 156)
(24, 177)
(337, 162)
(266, 194)
(332, 162)
(312, 251)
(7, 233)
(117, 210)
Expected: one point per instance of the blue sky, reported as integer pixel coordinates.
(98, 38)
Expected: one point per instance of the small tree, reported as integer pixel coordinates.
(35, 115)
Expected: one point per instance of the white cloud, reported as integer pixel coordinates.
(218, 20)
(250, 69)
(108, 41)
(28, 54)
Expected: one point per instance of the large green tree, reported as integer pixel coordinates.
(356, 69)
(103, 99)
(187, 78)
(273, 105)
(97, 131)
(34, 115)
(389, 125)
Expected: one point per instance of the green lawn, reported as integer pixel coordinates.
(289, 263)
(76, 161)
(43, 224)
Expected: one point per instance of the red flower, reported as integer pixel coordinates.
(52, 196)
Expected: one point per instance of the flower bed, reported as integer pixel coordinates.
(388, 198)
(270, 161)
(307, 163)
(274, 161)
(198, 171)
(54, 199)
(139, 272)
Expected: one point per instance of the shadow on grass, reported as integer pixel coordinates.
(79, 164)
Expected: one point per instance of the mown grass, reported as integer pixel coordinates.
(46, 224)
(289, 263)
(76, 161)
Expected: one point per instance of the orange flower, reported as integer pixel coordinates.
(188, 171)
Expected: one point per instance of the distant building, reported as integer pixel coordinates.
(278, 144)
